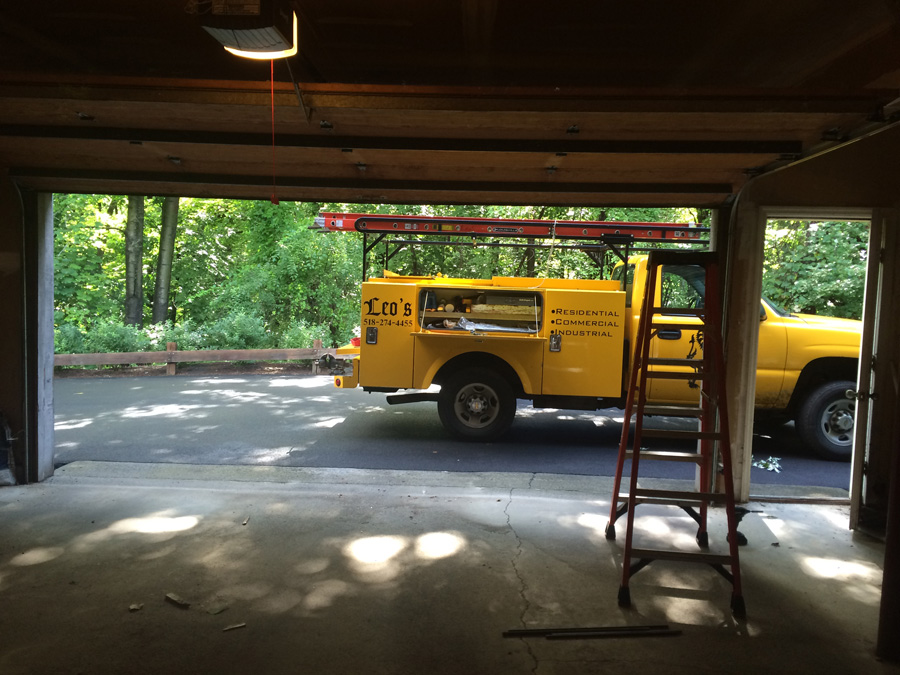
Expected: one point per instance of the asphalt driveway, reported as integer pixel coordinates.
(302, 421)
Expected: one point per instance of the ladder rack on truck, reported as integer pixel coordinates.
(592, 237)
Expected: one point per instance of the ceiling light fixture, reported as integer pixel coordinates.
(290, 50)
(261, 35)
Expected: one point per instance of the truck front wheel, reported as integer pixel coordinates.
(825, 421)
(476, 405)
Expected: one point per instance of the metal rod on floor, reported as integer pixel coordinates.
(592, 632)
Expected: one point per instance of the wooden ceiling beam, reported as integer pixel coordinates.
(457, 99)
(306, 182)
(476, 145)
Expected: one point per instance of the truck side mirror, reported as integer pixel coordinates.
(762, 312)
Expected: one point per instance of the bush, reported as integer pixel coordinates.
(185, 336)
(300, 335)
(68, 339)
(115, 337)
(237, 330)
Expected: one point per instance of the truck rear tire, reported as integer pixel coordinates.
(476, 404)
(825, 421)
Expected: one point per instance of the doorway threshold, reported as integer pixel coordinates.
(799, 494)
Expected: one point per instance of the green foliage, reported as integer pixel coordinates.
(301, 335)
(816, 267)
(89, 256)
(68, 339)
(185, 336)
(114, 336)
(89, 259)
(209, 247)
(236, 330)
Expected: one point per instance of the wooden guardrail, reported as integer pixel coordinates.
(171, 357)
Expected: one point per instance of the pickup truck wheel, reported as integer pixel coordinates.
(476, 405)
(825, 422)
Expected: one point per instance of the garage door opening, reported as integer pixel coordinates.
(242, 417)
(813, 286)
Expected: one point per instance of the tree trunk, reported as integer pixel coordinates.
(134, 262)
(164, 262)
(529, 258)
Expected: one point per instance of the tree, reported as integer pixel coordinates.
(88, 258)
(816, 267)
(168, 228)
(134, 262)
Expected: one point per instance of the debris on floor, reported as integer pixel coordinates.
(177, 600)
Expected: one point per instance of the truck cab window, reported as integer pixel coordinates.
(682, 286)
(628, 272)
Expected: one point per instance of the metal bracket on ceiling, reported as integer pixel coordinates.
(307, 112)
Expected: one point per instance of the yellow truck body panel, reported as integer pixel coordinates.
(522, 353)
(590, 327)
(412, 326)
(386, 342)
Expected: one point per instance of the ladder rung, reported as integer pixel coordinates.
(692, 363)
(673, 375)
(681, 434)
(681, 556)
(677, 497)
(677, 325)
(668, 455)
(679, 311)
(673, 410)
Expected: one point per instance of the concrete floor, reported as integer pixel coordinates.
(345, 571)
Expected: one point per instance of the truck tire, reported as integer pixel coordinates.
(476, 404)
(825, 421)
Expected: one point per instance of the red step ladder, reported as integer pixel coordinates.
(713, 454)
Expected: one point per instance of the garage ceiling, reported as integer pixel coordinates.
(445, 101)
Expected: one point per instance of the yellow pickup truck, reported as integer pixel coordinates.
(564, 343)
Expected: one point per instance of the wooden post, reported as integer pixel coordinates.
(317, 344)
(743, 290)
(171, 365)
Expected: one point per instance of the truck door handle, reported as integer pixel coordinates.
(669, 334)
(555, 342)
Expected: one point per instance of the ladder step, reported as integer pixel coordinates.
(679, 311)
(675, 497)
(668, 455)
(677, 326)
(673, 375)
(682, 435)
(692, 363)
(673, 410)
(681, 556)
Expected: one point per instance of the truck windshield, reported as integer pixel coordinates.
(778, 309)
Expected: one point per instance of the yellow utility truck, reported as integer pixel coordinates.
(564, 343)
